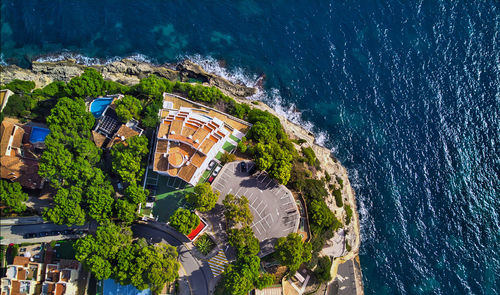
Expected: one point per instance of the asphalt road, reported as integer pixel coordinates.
(14, 233)
(198, 274)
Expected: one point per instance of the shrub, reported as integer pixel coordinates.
(20, 86)
(348, 211)
(309, 155)
(204, 244)
(322, 271)
(338, 197)
(227, 157)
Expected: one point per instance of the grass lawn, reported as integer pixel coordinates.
(236, 139)
(65, 249)
(204, 176)
(219, 155)
(167, 203)
(228, 147)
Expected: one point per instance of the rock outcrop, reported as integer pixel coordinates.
(125, 71)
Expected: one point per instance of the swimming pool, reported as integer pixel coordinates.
(98, 106)
(112, 288)
(38, 134)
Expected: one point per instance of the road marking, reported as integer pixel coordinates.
(277, 212)
(218, 263)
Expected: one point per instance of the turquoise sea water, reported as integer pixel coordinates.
(406, 94)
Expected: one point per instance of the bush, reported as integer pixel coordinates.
(18, 106)
(227, 157)
(20, 86)
(338, 197)
(204, 244)
(309, 155)
(322, 271)
(341, 182)
(348, 211)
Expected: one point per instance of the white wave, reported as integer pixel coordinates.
(2, 60)
(89, 61)
(211, 65)
(272, 97)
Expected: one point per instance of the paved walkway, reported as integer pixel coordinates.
(218, 263)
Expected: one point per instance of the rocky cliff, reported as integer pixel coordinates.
(125, 71)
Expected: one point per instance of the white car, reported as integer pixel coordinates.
(211, 165)
(216, 170)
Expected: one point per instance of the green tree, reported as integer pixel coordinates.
(127, 108)
(320, 215)
(18, 106)
(88, 84)
(125, 211)
(136, 194)
(292, 252)
(12, 196)
(127, 158)
(244, 241)
(70, 115)
(244, 275)
(99, 197)
(184, 220)
(66, 209)
(203, 198)
(322, 271)
(237, 210)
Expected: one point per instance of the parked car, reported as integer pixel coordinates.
(67, 232)
(216, 170)
(54, 233)
(243, 167)
(211, 164)
(29, 235)
(22, 250)
(43, 234)
(210, 179)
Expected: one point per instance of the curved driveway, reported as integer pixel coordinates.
(197, 274)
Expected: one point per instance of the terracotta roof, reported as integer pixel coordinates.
(198, 159)
(123, 131)
(200, 134)
(21, 274)
(98, 138)
(163, 130)
(19, 260)
(187, 172)
(60, 288)
(206, 145)
(161, 146)
(16, 285)
(176, 127)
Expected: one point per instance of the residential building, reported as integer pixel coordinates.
(61, 278)
(22, 277)
(187, 140)
(19, 155)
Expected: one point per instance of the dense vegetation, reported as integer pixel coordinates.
(203, 198)
(113, 253)
(12, 196)
(292, 252)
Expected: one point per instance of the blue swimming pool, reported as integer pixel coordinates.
(38, 134)
(112, 288)
(98, 106)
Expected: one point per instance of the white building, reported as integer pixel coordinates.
(187, 140)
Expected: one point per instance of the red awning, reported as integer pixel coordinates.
(196, 231)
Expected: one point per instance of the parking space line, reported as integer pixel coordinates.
(290, 228)
(263, 208)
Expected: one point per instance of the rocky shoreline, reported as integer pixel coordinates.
(129, 72)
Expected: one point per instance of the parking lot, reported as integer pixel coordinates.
(274, 210)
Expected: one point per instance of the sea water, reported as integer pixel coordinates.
(405, 93)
